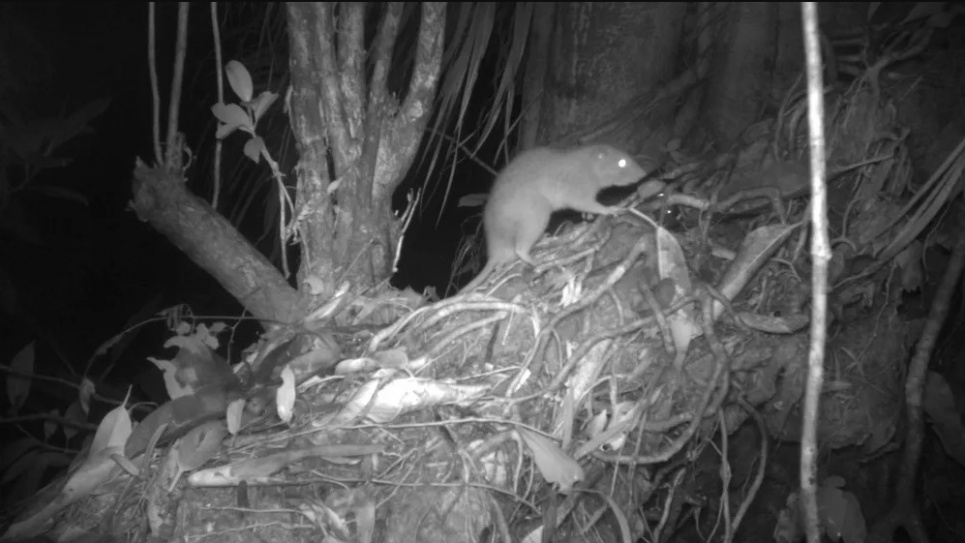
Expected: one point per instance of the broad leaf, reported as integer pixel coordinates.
(233, 417)
(555, 465)
(285, 397)
(113, 431)
(239, 79)
(83, 395)
(75, 413)
(18, 387)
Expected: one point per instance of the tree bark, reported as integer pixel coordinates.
(210, 241)
(605, 59)
(356, 141)
(742, 72)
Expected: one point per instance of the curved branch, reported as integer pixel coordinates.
(403, 133)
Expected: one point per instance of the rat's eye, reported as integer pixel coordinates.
(622, 163)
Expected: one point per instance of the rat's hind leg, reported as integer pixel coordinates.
(528, 234)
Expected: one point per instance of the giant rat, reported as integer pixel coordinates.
(540, 181)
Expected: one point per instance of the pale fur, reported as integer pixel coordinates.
(540, 181)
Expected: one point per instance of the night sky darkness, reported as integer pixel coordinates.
(87, 268)
(78, 273)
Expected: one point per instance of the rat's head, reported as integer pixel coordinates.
(614, 167)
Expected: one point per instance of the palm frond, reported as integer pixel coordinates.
(471, 40)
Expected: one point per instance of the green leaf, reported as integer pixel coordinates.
(83, 395)
(555, 465)
(239, 79)
(18, 388)
(50, 426)
(197, 447)
(285, 396)
(113, 431)
(192, 343)
(75, 413)
(262, 103)
(840, 513)
(232, 117)
(253, 148)
(200, 444)
(473, 200)
(233, 416)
